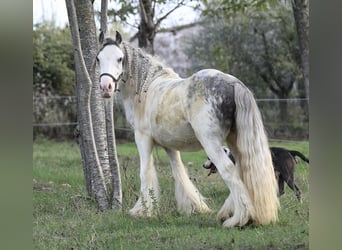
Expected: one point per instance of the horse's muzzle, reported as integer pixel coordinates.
(107, 95)
(107, 90)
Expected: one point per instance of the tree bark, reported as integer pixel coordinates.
(301, 16)
(88, 38)
(104, 16)
(110, 129)
(148, 26)
(146, 32)
(92, 163)
(113, 157)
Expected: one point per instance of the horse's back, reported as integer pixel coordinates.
(214, 75)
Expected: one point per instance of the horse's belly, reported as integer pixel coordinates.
(169, 123)
(178, 136)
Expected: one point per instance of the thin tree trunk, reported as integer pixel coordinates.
(147, 31)
(110, 128)
(148, 26)
(84, 86)
(113, 158)
(104, 16)
(301, 15)
(283, 113)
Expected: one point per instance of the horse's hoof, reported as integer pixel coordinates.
(222, 216)
(233, 222)
(139, 213)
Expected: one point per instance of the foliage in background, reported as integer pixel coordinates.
(260, 49)
(53, 64)
(123, 11)
(225, 8)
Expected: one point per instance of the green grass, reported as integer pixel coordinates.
(64, 219)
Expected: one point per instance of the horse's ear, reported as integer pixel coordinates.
(101, 37)
(118, 37)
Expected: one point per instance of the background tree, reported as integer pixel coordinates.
(300, 12)
(225, 8)
(149, 18)
(301, 16)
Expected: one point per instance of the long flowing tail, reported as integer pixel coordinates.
(254, 158)
(299, 154)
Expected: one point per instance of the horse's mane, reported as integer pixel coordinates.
(140, 68)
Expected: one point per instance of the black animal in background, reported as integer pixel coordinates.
(284, 163)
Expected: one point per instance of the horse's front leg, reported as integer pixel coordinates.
(189, 200)
(149, 189)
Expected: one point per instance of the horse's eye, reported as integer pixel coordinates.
(120, 59)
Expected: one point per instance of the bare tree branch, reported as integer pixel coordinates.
(181, 3)
(145, 5)
(134, 37)
(173, 29)
(177, 28)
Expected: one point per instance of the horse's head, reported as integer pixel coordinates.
(110, 58)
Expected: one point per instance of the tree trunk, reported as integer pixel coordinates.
(92, 163)
(110, 128)
(147, 31)
(113, 158)
(104, 16)
(88, 38)
(283, 113)
(301, 16)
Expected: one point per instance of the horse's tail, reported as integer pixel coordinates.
(299, 154)
(254, 158)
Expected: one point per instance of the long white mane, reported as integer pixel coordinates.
(140, 68)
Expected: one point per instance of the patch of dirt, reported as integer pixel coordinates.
(45, 187)
(48, 187)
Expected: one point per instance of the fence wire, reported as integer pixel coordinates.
(56, 117)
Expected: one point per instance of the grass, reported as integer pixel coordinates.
(62, 219)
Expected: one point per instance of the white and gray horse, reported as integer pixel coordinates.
(206, 110)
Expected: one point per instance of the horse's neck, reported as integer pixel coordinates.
(128, 88)
(139, 71)
(140, 68)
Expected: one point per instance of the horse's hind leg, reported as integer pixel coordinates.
(189, 200)
(149, 191)
(227, 209)
(238, 208)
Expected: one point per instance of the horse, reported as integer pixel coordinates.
(202, 111)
